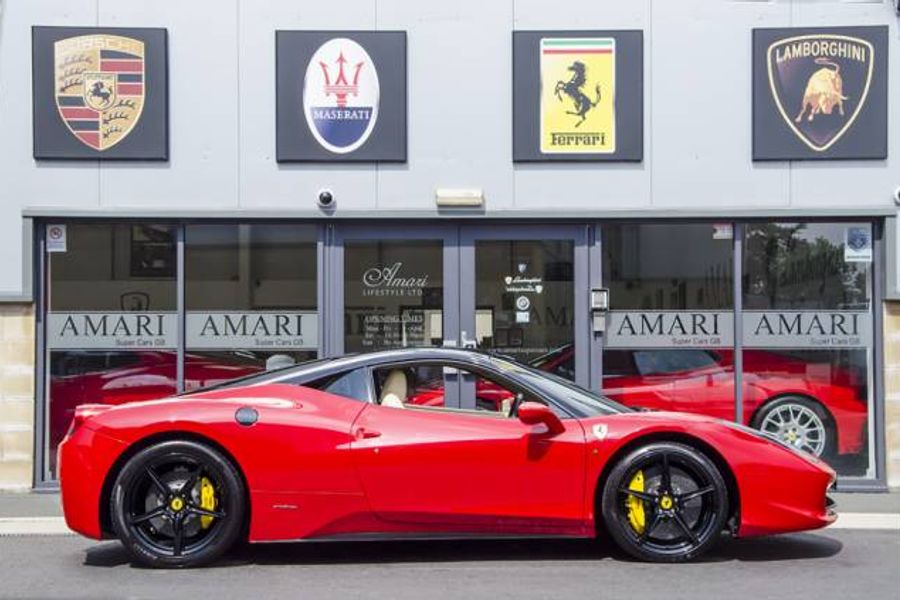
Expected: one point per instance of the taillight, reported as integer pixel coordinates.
(83, 413)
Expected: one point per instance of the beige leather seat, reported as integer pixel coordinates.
(393, 392)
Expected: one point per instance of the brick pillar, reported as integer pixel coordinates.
(892, 391)
(16, 396)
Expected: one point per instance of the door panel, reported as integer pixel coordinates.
(469, 471)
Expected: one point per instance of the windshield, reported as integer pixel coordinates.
(578, 401)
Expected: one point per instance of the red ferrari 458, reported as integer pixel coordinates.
(334, 449)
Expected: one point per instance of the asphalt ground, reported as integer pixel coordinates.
(830, 564)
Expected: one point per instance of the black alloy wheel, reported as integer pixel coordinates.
(665, 502)
(177, 504)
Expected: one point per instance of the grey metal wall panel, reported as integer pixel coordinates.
(24, 181)
(263, 182)
(203, 110)
(697, 156)
(459, 106)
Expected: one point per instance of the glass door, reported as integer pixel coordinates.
(396, 286)
(524, 294)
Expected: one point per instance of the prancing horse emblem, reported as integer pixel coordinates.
(573, 89)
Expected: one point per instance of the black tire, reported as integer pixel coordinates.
(684, 503)
(155, 502)
(801, 419)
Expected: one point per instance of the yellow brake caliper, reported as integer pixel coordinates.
(207, 501)
(635, 505)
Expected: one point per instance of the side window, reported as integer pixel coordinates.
(352, 385)
(423, 387)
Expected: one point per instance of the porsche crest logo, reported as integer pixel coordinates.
(819, 83)
(577, 95)
(99, 87)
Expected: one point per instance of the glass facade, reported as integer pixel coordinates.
(111, 322)
(250, 298)
(767, 323)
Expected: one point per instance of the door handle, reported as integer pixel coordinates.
(366, 434)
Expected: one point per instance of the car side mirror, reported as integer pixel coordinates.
(535, 413)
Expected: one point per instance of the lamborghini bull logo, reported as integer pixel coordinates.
(820, 83)
(824, 91)
(576, 118)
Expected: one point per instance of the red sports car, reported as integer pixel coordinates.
(820, 410)
(333, 449)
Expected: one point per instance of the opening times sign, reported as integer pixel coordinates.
(760, 329)
(250, 330)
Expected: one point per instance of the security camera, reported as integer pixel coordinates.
(897, 191)
(326, 199)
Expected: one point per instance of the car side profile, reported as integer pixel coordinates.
(335, 450)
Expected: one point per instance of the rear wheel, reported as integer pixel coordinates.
(665, 502)
(177, 504)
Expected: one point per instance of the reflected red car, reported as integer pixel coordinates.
(316, 452)
(110, 377)
(816, 407)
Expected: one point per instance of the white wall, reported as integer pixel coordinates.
(697, 111)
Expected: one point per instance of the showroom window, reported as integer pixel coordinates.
(111, 327)
(670, 331)
(250, 295)
(808, 337)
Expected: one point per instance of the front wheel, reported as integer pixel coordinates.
(177, 504)
(665, 502)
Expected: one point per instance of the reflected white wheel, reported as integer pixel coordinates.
(798, 422)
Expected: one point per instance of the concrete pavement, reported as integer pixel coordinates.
(827, 565)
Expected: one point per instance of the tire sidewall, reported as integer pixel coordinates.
(610, 502)
(225, 533)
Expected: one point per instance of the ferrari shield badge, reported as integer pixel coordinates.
(100, 89)
(341, 95)
(578, 95)
(819, 83)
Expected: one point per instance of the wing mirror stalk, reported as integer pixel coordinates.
(535, 413)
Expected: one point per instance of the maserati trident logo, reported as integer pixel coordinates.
(341, 95)
(820, 83)
(99, 87)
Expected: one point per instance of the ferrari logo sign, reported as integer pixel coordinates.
(99, 87)
(577, 93)
(820, 83)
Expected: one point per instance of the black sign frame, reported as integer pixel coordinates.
(867, 135)
(629, 90)
(149, 137)
(387, 141)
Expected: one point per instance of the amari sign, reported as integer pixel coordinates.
(820, 93)
(252, 330)
(761, 329)
(112, 330)
(670, 329)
